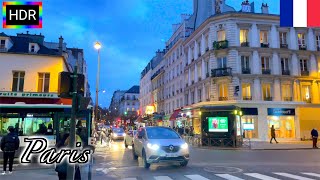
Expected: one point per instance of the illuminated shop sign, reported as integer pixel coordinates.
(281, 112)
(28, 95)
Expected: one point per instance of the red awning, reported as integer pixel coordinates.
(175, 115)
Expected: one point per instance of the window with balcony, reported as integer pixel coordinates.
(246, 91)
(206, 42)
(2, 44)
(207, 68)
(223, 92)
(304, 67)
(208, 93)
(306, 93)
(222, 62)
(244, 41)
(186, 99)
(199, 48)
(266, 92)
(265, 65)
(264, 39)
(221, 35)
(18, 81)
(318, 42)
(43, 82)
(245, 64)
(302, 41)
(192, 97)
(283, 39)
(285, 66)
(286, 91)
(200, 95)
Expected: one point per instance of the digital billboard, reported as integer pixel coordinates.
(218, 124)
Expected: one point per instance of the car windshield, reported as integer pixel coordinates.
(161, 133)
(118, 130)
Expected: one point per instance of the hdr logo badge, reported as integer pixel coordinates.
(18, 15)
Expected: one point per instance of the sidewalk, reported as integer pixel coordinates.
(265, 145)
(288, 145)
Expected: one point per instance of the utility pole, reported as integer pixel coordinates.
(72, 136)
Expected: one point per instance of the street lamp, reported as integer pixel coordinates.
(97, 46)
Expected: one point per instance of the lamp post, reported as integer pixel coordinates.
(97, 46)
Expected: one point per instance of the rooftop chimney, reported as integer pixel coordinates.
(60, 44)
(246, 7)
(265, 8)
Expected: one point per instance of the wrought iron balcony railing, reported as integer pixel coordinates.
(302, 47)
(265, 45)
(245, 44)
(266, 71)
(220, 44)
(267, 98)
(247, 98)
(284, 46)
(286, 72)
(287, 98)
(246, 71)
(220, 72)
(304, 73)
(223, 98)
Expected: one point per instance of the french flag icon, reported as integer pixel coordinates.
(300, 13)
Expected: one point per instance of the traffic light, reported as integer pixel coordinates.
(125, 113)
(65, 84)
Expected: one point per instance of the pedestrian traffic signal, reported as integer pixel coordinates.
(125, 113)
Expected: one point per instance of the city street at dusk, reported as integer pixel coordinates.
(160, 90)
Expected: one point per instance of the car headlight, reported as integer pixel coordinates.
(184, 146)
(153, 146)
(115, 135)
(124, 134)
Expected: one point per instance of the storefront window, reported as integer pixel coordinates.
(284, 126)
(250, 126)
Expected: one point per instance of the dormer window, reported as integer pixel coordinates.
(33, 48)
(2, 44)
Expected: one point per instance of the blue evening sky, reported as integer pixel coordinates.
(130, 32)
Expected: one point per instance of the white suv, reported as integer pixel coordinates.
(160, 144)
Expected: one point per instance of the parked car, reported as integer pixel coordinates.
(128, 140)
(118, 133)
(160, 144)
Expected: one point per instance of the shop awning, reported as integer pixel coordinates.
(139, 119)
(175, 115)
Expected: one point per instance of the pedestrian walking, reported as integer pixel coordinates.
(273, 134)
(314, 134)
(62, 167)
(9, 144)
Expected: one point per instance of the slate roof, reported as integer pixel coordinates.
(2, 34)
(134, 89)
(21, 45)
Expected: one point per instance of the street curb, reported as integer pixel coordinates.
(248, 149)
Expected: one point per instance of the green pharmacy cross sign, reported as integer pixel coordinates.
(218, 124)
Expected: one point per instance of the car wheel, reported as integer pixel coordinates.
(144, 158)
(125, 144)
(183, 164)
(135, 157)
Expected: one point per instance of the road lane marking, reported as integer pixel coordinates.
(311, 174)
(162, 178)
(228, 176)
(261, 176)
(129, 179)
(293, 176)
(196, 177)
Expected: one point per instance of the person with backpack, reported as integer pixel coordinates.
(9, 144)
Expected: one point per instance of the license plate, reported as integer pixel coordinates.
(171, 155)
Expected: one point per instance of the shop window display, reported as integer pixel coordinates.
(250, 126)
(284, 126)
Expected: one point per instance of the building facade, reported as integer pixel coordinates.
(246, 59)
(151, 76)
(115, 103)
(29, 79)
(129, 101)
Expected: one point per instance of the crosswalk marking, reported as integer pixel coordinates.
(196, 177)
(228, 176)
(311, 174)
(162, 178)
(293, 176)
(261, 176)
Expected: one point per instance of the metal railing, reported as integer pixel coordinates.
(220, 44)
(197, 141)
(220, 72)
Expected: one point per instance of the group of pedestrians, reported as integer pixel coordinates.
(184, 131)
